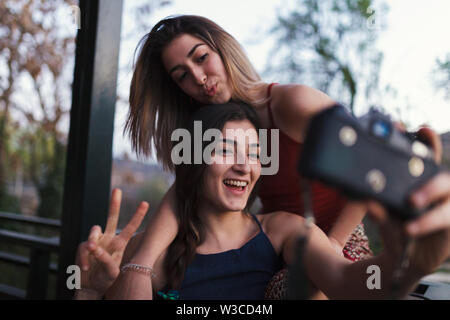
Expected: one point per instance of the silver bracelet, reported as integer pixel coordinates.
(148, 271)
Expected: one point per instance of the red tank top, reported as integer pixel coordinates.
(282, 191)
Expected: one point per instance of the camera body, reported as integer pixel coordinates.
(367, 158)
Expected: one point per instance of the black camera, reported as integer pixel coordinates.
(367, 158)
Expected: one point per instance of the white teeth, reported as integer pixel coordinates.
(236, 183)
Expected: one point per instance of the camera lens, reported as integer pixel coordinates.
(381, 129)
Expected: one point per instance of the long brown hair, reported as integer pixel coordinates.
(189, 187)
(157, 105)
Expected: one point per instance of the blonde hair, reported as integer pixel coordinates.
(157, 105)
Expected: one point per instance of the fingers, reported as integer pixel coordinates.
(434, 220)
(381, 217)
(437, 190)
(135, 221)
(114, 210)
(83, 256)
(391, 230)
(95, 234)
(427, 134)
(85, 248)
(399, 126)
(91, 249)
(377, 212)
(107, 262)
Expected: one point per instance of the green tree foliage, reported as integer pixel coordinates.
(44, 158)
(36, 50)
(8, 202)
(36, 64)
(329, 45)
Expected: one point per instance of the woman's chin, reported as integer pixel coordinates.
(235, 207)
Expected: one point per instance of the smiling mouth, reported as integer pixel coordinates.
(235, 185)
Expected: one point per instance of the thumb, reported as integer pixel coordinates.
(430, 137)
(391, 231)
(377, 212)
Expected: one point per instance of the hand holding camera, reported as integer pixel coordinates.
(368, 158)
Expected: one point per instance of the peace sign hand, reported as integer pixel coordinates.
(100, 256)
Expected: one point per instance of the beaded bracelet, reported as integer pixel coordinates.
(148, 271)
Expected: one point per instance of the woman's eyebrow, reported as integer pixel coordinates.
(233, 142)
(190, 53)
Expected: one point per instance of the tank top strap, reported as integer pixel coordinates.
(257, 221)
(269, 109)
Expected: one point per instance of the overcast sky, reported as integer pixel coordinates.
(416, 34)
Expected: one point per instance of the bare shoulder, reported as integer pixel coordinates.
(294, 104)
(278, 217)
(278, 225)
(300, 97)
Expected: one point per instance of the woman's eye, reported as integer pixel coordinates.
(202, 58)
(226, 151)
(254, 156)
(182, 77)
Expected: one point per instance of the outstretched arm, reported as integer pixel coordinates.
(160, 232)
(339, 278)
(329, 272)
(349, 217)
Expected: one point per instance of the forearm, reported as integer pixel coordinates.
(350, 216)
(372, 279)
(340, 278)
(131, 286)
(160, 232)
(87, 294)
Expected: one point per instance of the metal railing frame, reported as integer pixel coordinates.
(38, 262)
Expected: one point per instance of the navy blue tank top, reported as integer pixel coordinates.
(235, 274)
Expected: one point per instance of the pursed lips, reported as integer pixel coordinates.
(210, 90)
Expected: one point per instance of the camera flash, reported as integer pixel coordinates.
(376, 180)
(348, 136)
(416, 167)
(419, 149)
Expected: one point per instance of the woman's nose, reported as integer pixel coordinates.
(199, 76)
(241, 164)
